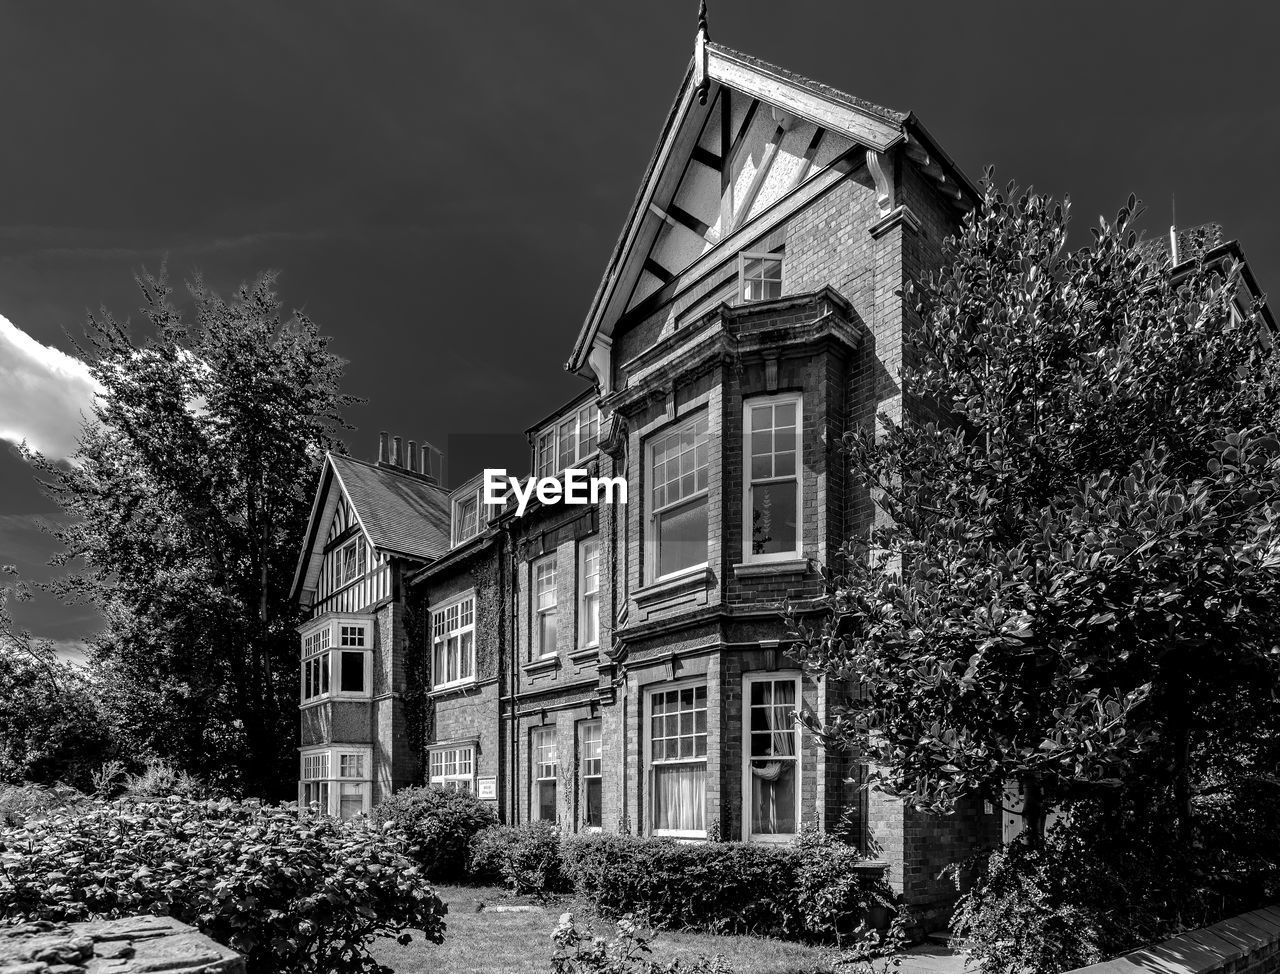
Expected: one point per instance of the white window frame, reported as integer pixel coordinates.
(453, 619)
(549, 448)
(336, 636)
(773, 676)
(748, 482)
(329, 760)
(462, 759)
(538, 611)
(537, 770)
(459, 533)
(653, 512)
(359, 561)
(583, 777)
(745, 256)
(585, 610)
(649, 762)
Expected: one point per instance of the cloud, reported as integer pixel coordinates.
(44, 393)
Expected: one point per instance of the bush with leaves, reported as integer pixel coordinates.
(22, 803)
(441, 823)
(159, 779)
(818, 888)
(578, 952)
(291, 892)
(526, 858)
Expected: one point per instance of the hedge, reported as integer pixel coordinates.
(291, 892)
(813, 888)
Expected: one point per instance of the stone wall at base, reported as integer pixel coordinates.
(128, 946)
(1245, 944)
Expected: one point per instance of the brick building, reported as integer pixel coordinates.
(624, 666)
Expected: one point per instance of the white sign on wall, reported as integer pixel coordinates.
(487, 788)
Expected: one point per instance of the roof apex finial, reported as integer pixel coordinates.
(701, 80)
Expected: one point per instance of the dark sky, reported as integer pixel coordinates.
(441, 183)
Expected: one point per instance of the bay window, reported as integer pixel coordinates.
(544, 607)
(337, 661)
(771, 754)
(591, 760)
(337, 780)
(676, 528)
(589, 593)
(771, 451)
(677, 748)
(542, 743)
(453, 768)
(453, 644)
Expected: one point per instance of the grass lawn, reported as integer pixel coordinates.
(494, 941)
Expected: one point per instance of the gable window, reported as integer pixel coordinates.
(544, 606)
(466, 517)
(543, 746)
(453, 768)
(771, 752)
(337, 781)
(453, 644)
(337, 661)
(351, 561)
(677, 523)
(589, 593)
(771, 524)
(677, 741)
(570, 443)
(590, 758)
(759, 276)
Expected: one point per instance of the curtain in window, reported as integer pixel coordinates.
(773, 735)
(679, 796)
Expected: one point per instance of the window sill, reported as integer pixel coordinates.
(336, 698)
(789, 566)
(694, 578)
(548, 664)
(581, 657)
(447, 688)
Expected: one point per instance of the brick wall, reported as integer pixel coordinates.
(1245, 944)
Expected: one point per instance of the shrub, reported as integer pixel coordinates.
(21, 803)
(440, 823)
(577, 952)
(159, 779)
(812, 889)
(292, 893)
(524, 857)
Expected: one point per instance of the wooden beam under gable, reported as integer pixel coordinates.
(761, 173)
(860, 125)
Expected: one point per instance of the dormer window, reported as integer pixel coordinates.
(570, 443)
(759, 276)
(466, 517)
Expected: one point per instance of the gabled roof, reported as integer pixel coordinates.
(400, 513)
(822, 123)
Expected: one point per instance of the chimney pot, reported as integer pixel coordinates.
(433, 463)
(382, 447)
(397, 457)
(411, 454)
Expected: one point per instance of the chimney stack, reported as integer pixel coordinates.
(412, 456)
(433, 463)
(382, 447)
(397, 456)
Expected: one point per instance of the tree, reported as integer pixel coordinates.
(187, 499)
(51, 728)
(1076, 567)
